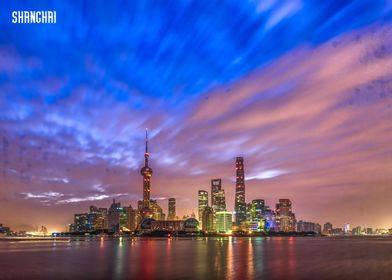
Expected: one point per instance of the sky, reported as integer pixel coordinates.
(301, 89)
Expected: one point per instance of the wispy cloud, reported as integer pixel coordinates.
(90, 198)
(49, 195)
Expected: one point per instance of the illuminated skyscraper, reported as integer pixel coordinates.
(97, 218)
(123, 218)
(224, 222)
(80, 222)
(104, 219)
(156, 210)
(146, 172)
(216, 185)
(239, 203)
(284, 215)
(270, 219)
(202, 204)
(257, 209)
(172, 209)
(218, 201)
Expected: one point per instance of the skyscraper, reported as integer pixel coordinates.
(131, 216)
(218, 201)
(285, 216)
(172, 209)
(216, 185)
(146, 172)
(202, 204)
(208, 219)
(223, 221)
(80, 222)
(239, 203)
(270, 219)
(104, 220)
(156, 211)
(257, 209)
(114, 216)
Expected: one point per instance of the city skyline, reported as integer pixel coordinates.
(283, 216)
(304, 97)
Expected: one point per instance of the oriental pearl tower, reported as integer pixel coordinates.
(146, 172)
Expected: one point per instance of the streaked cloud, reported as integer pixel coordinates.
(302, 91)
(90, 198)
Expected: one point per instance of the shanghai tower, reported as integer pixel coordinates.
(239, 204)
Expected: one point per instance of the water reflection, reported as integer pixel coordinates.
(120, 263)
(250, 264)
(204, 258)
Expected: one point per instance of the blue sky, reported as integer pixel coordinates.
(211, 80)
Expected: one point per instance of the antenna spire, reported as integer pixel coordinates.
(146, 140)
(146, 153)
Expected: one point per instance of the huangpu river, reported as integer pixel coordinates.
(199, 258)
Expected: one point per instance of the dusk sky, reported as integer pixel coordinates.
(301, 89)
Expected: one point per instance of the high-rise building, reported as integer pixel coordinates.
(357, 230)
(146, 172)
(249, 212)
(114, 217)
(202, 204)
(346, 228)
(155, 210)
(94, 209)
(91, 221)
(131, 216)
(327, 228)
(224, 221)
(239, 203)
(216, 186)
(4, 230)
(80, 222)
(285, 216)
(317, 228)
(101, 217)
(105, 218)
(123, 218)
(255, 216)
(218, 200)
(369, 231)
(208, 219)
(171, 209)
(303, 226)
(258, 206)
(270, 219)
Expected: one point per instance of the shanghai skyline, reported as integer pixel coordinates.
(310, 113)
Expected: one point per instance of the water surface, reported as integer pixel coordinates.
(203, 258)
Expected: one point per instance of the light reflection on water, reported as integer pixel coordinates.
(201, 258)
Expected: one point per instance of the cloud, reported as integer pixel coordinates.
(90, 198)
(265, 174)
(306, 104)
(51, 198)
(50, 195)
